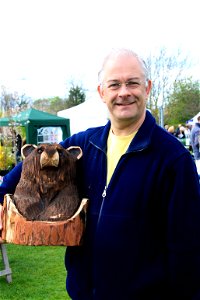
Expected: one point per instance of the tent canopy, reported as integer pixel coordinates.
(193, 120)
(91, 113)
(33, 119)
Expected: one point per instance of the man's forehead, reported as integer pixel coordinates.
(123, 74)
(123, 65)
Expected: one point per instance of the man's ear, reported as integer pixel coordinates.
(148, 87)
(101, 93)
(99, 90)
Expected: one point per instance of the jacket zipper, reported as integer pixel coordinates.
(104, 192)
(101, 208)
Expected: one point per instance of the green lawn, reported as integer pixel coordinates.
(38, 273)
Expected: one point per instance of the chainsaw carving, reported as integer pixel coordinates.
(47, 190)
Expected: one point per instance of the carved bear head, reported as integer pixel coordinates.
(48, 183)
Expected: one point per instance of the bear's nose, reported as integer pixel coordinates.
(49, 161)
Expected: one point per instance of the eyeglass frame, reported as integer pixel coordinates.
(114, 85)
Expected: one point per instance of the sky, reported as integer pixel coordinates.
(46, 44)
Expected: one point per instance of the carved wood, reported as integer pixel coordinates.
(17, 230)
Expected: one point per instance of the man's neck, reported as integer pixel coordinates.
(126, 128)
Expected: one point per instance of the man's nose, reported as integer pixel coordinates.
(124, 90)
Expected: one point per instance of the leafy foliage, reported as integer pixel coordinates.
(76, 96)
(53, 105)
(11, 102)
(50, 105)
(184, 102)
(8, 147)
(164, 68)
(7, 159)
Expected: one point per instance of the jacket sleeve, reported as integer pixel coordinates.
(10, 181)
(183, 231)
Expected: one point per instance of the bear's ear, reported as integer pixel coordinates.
(27, 149)
(75, 151)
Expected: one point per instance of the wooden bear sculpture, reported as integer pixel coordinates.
(47, 189)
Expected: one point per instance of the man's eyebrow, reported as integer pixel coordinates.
(117, 80)
(134, 78)
(111, 80)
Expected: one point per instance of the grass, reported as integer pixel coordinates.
(38, 273)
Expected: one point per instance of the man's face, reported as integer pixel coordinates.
(124, 89)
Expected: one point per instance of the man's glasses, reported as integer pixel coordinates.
(116, 85)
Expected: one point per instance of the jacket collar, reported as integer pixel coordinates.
(140, 141)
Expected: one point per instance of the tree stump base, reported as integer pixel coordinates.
(18, 230)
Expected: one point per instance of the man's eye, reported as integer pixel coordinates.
(114, 86)
(132, 84)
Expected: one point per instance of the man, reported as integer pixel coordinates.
(195, 143)
(142, 239)
(18, 144)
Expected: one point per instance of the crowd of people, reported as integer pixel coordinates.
(189, 135)
(182, 132)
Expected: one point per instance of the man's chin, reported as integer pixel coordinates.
(126, 116)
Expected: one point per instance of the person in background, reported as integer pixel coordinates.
(181, 135)
(195, 143)
(182, 132)
(166, 126)
(187, 137)
(171, 130)
(18, 143)
(177, 130)
(142, 237)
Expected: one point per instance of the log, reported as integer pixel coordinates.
(18, 230)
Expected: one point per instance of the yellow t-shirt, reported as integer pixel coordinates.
(116, 147)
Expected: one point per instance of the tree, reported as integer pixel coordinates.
(184, 102)
(42, 104)
(11, 102)
(164, 69)
(55, 104)
(50, 105)
(76, 96)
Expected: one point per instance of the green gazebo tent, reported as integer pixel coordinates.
(33, 120)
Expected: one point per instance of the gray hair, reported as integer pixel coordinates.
(122, 51)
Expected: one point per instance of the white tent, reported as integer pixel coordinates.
(91, 113)
(193, 120)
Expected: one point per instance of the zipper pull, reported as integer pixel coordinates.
(104, 192)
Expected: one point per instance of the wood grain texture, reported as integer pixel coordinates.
(18, 230)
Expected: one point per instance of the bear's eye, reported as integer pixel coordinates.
(60, 153)
(40, 151)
